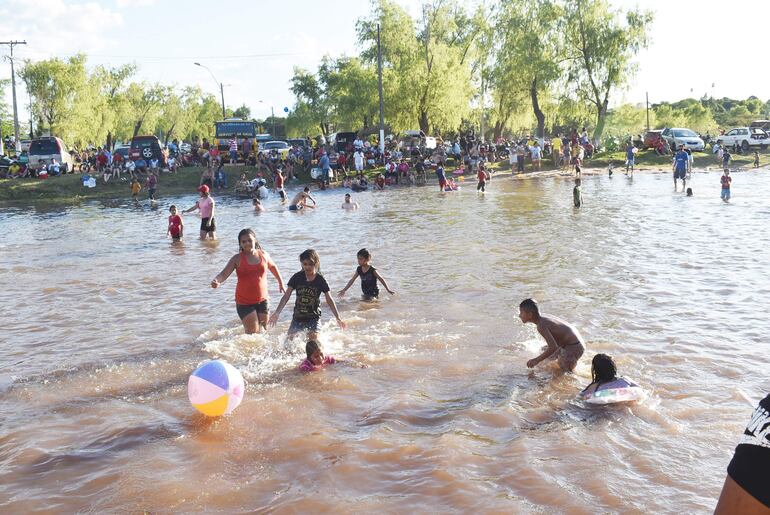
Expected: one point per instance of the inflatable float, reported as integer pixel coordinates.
(619, 390)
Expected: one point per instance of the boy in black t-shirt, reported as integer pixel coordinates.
(747, 486)
(309, 285)
(369, 277)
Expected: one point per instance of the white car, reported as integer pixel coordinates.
(745, 137)
(677, 136)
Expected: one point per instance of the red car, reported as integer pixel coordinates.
(651, 139)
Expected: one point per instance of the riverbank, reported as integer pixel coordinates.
(69, 189)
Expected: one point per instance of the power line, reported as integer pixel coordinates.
(178, 58)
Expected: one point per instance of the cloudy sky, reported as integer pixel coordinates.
(252, 47)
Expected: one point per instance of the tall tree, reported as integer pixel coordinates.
(528, 58)
(426, 72)
(600, 46)
(242, 112)
(54, 84)
(113, 83)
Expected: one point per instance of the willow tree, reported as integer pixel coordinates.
(600, 46)
(527, 63)
(55, 86)
(426, 66)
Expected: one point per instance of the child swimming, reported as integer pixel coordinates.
(604, 379)
(315, 358)
(369, 277)
(309, 284)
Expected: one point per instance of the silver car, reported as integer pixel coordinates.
(684, 137)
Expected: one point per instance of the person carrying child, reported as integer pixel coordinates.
(564, 342)
(251, 265)
(175, 224)
(309, 285)
(369, 277)
(315, 358)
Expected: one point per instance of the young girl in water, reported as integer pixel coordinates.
(315, 358)
(251, 265)
(603, 372)
(309, 284)
(175, 224)
(369, 277)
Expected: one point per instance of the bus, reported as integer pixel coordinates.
(241, 129)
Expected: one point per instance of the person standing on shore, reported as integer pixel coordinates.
(206, 206)
(563, 341)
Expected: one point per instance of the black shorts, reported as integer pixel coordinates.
(208, 224)
(295, 207)
(303, 324)
(245, 310)
(680, 174)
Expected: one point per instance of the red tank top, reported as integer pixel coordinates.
(252, 279)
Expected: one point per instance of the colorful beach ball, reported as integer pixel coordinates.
(215, 388)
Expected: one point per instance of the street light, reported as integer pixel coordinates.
(221, 87)
(272, 117)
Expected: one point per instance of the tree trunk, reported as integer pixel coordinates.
(137, 127)
(498, 131)
(168, 134)
(424, 122)
(601, 118)
(109, 141)
(538, 113)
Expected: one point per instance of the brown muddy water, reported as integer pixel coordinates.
(104, 319)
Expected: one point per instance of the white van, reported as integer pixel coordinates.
(46, 149)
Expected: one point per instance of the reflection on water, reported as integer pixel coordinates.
(105, 318)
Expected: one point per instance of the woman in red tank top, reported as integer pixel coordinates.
(251, 265)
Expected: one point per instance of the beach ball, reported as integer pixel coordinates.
(215, 388)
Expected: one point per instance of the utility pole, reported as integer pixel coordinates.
(13, 88)
(272, 117)
(647, 96)
(379, 80)
(222, 93)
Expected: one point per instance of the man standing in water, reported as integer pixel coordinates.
(681, 161)
(565, 343)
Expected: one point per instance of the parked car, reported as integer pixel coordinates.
(276, 148)
(342, 141)
(761, 124)
(745, 137)
(651, 139)
(676, 136)
(123, 150)
(48, 148)
(299, 142)
(147, 147)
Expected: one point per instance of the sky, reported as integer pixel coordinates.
(253, 47)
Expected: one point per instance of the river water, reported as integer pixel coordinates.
(104, 319)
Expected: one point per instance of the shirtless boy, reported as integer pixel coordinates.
(565, 343)
(300, 200)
